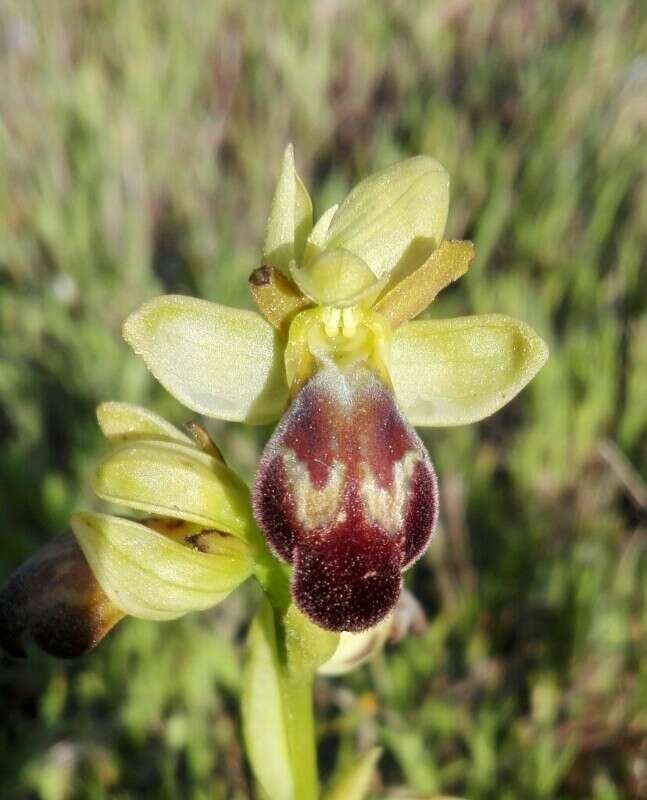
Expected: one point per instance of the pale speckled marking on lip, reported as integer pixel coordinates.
(314, 507)
(387, 507)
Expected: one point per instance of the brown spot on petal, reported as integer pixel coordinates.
(55, 598)
(346, 492)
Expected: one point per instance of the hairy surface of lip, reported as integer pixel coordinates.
(346, 493)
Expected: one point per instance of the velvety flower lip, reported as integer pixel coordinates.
(346, 493)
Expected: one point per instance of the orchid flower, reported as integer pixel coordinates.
(345, 497)
(345, 492)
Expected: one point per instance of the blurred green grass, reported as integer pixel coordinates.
(139, 143)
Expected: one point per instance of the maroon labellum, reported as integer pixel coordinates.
(347, 494)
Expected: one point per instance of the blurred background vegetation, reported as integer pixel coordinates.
(139, 145)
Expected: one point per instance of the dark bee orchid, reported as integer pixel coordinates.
(345, 492)
(345, 497)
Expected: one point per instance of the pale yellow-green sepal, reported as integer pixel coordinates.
(174, 480)
(222, 362)
(393, 219)
(126, 421)
(457, 371)
(290, 220)
(149, 575)
(355, 782)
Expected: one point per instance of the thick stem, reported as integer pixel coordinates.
(302, 735)
(272, 575)
(284, 651)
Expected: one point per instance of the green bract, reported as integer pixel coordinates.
(149, 575)
(195, 549)
(355, 649)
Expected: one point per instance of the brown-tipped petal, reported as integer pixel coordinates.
(345, 492)
(55, 598)
(278, 299)
(413, 294)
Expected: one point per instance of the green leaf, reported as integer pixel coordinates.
(174, 480)
(457, 371)
(355, 782)
(393, 219)
(148, 575)
(282, 654)
(290, 220)
(265, 723)
(125, 421)
(222, 362)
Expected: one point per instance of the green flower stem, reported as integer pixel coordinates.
(302, 736)
(284, 651)
(273, 576)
